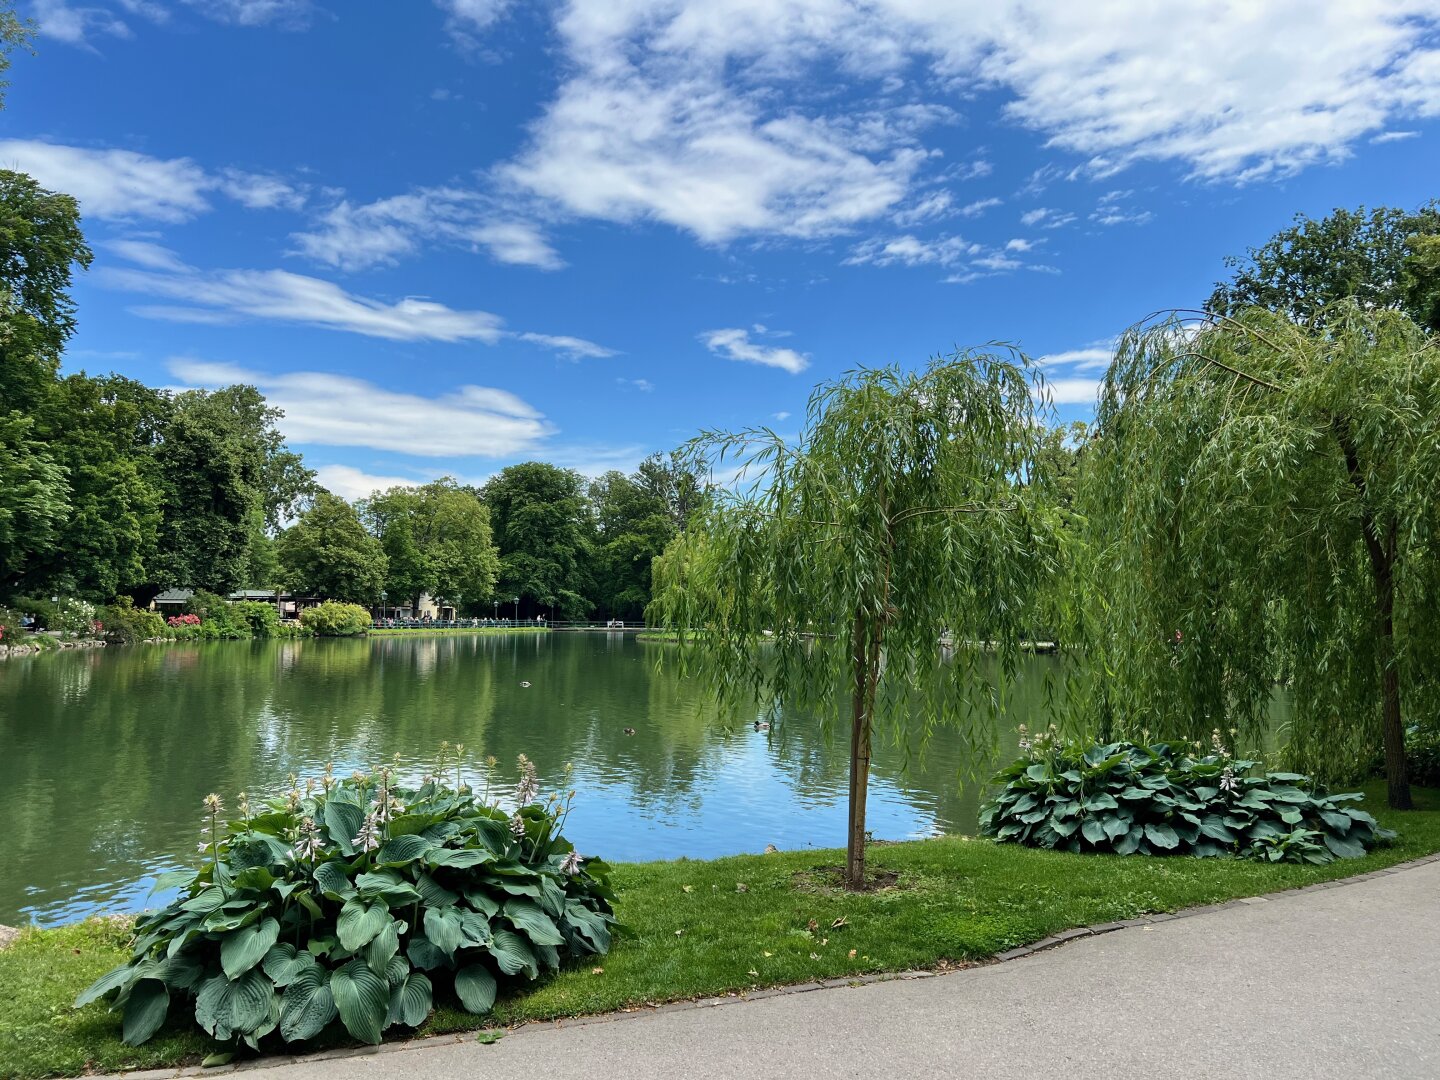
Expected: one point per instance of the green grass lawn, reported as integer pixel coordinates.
(693, 931)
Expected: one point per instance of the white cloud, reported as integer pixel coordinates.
(782, 416)
(352, 484)
(735, 344)
(124, 185)
(1073, 391)
(1046, 217)
(1112, 209)
(645, 386)
(1019, 244)
(75, 25)
(1092, 358)
(325, 409)
(466, 18)
(938, 204)
(651, 126)
(699, 113)
(909, 250)
(572, 347)
(380, 233)
(1394, 136)
(218, 296)
(975, 209)
(288, 14)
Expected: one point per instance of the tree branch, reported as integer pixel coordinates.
(972, 509)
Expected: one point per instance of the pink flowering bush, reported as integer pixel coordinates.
(178, 621)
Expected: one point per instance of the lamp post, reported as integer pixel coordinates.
(383, 597)
(496, 620)
(517, 611)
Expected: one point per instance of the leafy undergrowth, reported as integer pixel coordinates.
(694, 932)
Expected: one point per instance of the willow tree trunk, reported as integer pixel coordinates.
(1381, 550)
(1392, 726)
(859, 756)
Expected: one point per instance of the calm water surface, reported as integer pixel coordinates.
(105, 754)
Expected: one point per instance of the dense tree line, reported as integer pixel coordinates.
(112, 488)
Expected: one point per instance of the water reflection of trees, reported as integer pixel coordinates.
(108, 754)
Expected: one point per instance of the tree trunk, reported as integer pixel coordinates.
(1397, 769)
(1381, 551)
(859, 757)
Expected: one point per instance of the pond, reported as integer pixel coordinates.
(105, 754)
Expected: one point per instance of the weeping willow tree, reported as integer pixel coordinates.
(828, 574)
(1263, 500)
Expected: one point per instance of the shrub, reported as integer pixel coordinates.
(10, 628)
(359, 899)
(1161, 800)
(262, 620)
(1422, 747)
(177, 622)
(125, 623)
(75, 617)
(45, 613)
(334, 619)
(218, 619)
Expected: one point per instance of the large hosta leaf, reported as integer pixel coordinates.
(145, 1011)
(538, 927)
(342, 822)
(362, 998)
(226, 1007)
(410, 1001)
(475, 987)
(359, 922)
(333, 881)
(513, 954)
(402, 850)
(241, 950)
(307, 1005)
(444, 929)
(382, 947)
(1162, 836)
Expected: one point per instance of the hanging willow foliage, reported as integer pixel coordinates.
(1262, 501)
(828, 574)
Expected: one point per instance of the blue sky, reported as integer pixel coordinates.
(448, 235)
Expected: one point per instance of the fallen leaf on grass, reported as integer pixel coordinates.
(852, 954)
(753, 972)
(812, 926)
(740, 886)
(814, 956)
(769, 954)
(688, 888)
(597, 971)
(843, 920)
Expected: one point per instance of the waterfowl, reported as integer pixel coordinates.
(525, 684)
(629, 731)
(762, 725)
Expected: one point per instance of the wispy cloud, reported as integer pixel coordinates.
(123, 185)
(735, 344)
(1046, 217)
(353, 237)
(217, 297)
(324, 409)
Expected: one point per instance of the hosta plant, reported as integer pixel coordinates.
(356, 901)
(1127, 799)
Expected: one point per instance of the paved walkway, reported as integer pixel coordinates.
(1341, 982)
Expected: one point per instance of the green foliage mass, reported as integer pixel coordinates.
(1130, 798)
(328, 553)
(126, 624)
(1263, 499)
(354, 902)
(1383, 259)
(437, 540)
(541, 524)
(334, 619)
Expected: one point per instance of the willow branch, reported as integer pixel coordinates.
(972, 509)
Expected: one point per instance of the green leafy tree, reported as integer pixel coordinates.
(1264, 497)
(1421, 281)
(40, 243)
(104, 433)
(34, 498)
(895, 520)
(327, 553)
(1351, 254)
(437, 540)
(670, 480)
(542, 526)
(633, 523)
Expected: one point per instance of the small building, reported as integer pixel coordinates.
(173, 601)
